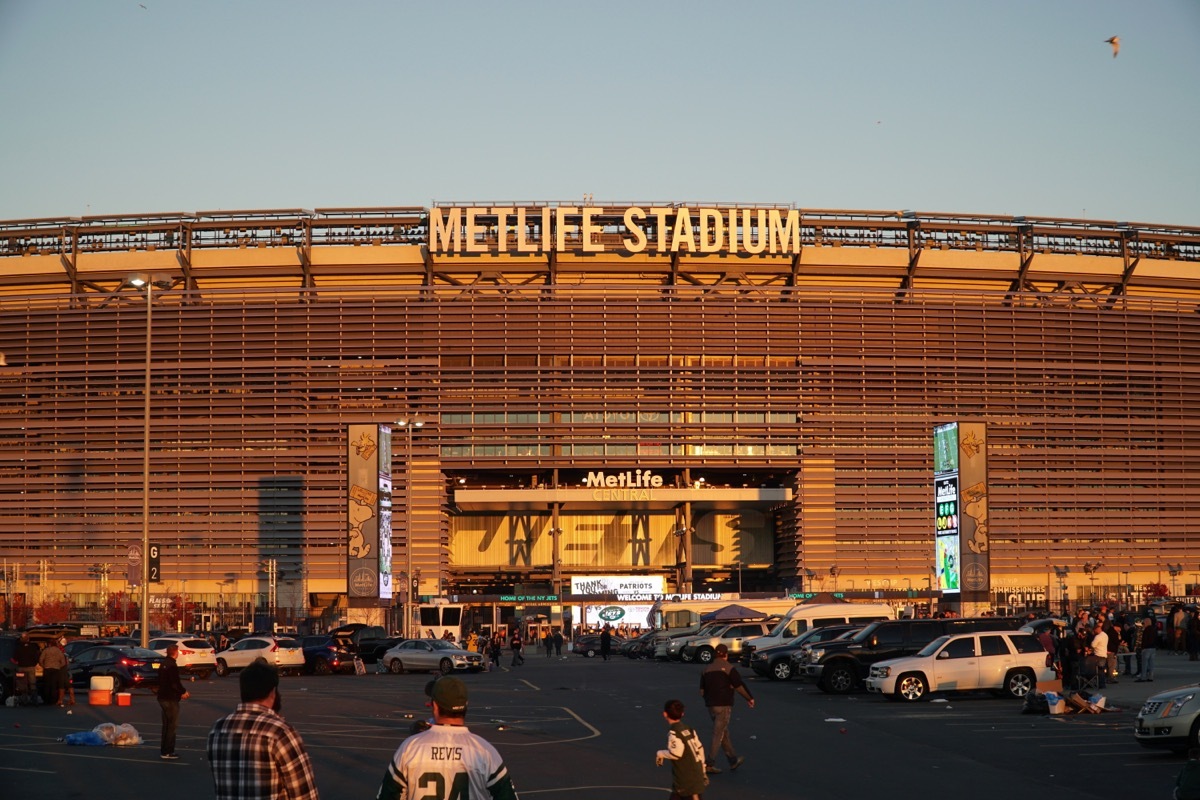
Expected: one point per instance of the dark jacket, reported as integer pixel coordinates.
(718, 683)
(169, 685)
(1149, 637)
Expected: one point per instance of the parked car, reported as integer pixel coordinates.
(703, 648)
(806, 617)
(1170, 720)
(324, 654)
(776, 663)
(130, 667)
(196, 656)
(1009, 661)
(430, 655)
(285, 654)
(76, 646)
(588, 645)
(639, 646)
(8, 670)
(841, 666)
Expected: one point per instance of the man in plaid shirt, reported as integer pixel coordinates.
(253, 753)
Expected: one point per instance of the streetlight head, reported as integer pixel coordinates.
(137, 279)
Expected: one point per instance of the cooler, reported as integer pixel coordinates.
(104, 682)
(100, 697)
(124, 699)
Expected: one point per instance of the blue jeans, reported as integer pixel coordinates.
(1147, 668)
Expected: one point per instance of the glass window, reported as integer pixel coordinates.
(1024, 643)
(923, 632)
(959, 648)
(889, 635)
(992, 646)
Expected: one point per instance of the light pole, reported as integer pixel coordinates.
(1174, 570)
(138, 281)
(738, 564)
(1062, 573)
(410, 594)
(1090, 570)
(833, 573)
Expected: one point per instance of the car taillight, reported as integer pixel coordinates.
(187, 652)
(131, 662)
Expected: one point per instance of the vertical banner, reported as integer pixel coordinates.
(947, 558)
(385, 512)
(973, 519)
(368, 513)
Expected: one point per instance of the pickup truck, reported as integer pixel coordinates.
(368, 642)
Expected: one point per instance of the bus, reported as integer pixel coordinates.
(439, 617)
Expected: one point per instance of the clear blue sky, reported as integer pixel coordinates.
(969, 106)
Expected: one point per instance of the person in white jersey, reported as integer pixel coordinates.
(447, 760)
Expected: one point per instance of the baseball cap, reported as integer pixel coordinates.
(722, 650)
(449, 693)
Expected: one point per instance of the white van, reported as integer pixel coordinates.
(803, 617)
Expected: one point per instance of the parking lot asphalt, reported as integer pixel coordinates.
(585, 728)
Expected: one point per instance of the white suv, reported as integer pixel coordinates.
(1008, 661)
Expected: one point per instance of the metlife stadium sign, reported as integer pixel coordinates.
(633, 229)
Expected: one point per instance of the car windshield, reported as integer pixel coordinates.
(933, 646)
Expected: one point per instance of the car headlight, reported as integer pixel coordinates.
(758, 657)
(815, 655)
(881, 672)
(1176, 705)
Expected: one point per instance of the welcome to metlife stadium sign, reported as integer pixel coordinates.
(632, 229)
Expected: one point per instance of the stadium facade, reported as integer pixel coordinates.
(731, 397)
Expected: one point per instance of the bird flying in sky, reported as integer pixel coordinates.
(1115, 41)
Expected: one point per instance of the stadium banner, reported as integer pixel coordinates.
(368, 514)
(973, 516)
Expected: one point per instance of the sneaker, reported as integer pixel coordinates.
(169, 757)
(711, 770)
(737, 762)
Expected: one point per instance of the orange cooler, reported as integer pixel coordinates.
(99, 697)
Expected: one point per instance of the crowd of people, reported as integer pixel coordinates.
(1103, 646)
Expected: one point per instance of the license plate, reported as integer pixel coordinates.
(155, 665)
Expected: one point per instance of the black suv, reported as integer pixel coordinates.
(840, 666)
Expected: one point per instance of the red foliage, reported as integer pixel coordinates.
(51, 611)
(1155, 591)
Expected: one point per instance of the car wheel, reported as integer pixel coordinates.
(204, 673)
(321, 666)
(222, 667)
(445, 666)
(396, 667)
(838, 679)
(119, 683)
(912, 687)
(1018, 683)
(781, 670)
(704, 655)
(590, 652)
(685, 657)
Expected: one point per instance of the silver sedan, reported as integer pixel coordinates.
(430, 655)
